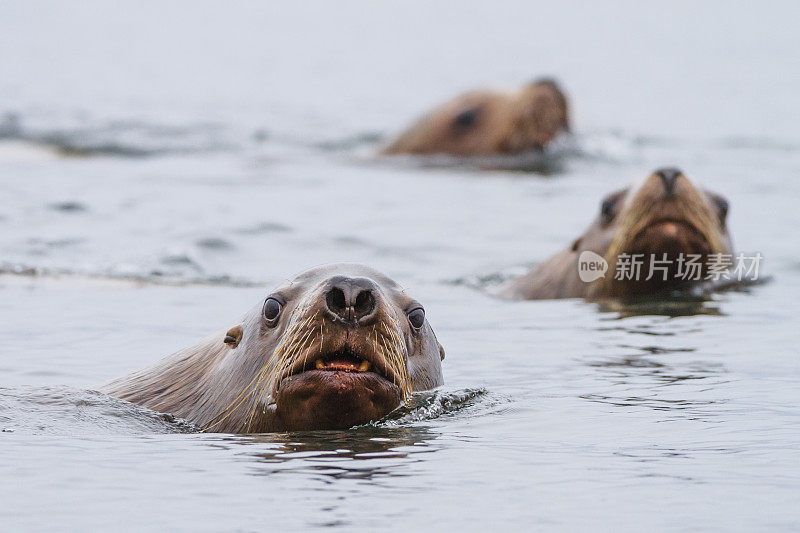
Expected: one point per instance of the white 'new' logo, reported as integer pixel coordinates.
(591, 266)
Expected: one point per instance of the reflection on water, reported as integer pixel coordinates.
(367, 452)
(539, 163)
(702, 299)
(672, 308)
(696, 408)
(656, 376)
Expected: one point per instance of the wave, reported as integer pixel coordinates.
(149, 278)
(121, 138)
(425, 406)
(68, 411)
(86, 136)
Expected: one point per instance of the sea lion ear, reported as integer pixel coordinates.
(233, 336)
(441, 353)
(575, 244)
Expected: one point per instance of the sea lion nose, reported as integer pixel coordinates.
(669, 176)
(352, 300)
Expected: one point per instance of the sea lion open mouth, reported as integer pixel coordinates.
(338, 346)
(343, 360)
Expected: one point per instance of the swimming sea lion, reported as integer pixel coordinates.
(340, 345)
(663, 222)
(485, 123)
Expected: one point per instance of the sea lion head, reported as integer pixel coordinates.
(662, 218)
(486, 123)
(338, 346)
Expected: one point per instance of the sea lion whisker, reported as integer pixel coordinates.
(241, 398)
(390, 346)
(258, 392)
(295, 345)
(398, 353)
(231, 407)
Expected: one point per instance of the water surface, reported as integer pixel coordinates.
(162, 167)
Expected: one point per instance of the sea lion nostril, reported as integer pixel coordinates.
(364, 304)
(337, 302)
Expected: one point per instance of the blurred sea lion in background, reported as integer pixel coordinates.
(663, 219)
(483, 123)
(339, 346)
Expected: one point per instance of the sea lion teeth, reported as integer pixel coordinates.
(320, 364)
(364, 366)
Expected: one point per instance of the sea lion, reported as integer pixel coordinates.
(482, 123)
(339, 346)
(664, 219)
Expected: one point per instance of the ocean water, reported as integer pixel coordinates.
(163, 165)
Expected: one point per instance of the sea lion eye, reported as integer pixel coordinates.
(607, 209)
(417, 318)
(722, 208)
(465, 119)
(272, 310)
